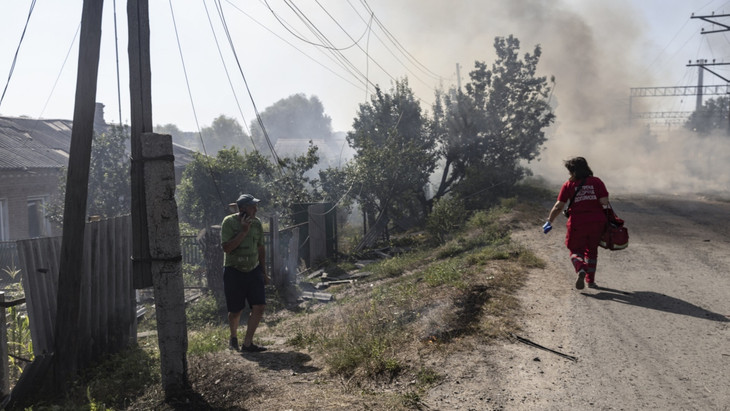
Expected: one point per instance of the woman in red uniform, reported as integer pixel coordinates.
(587, 200)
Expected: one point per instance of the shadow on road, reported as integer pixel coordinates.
(656, 301)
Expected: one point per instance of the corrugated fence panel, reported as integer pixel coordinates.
(39, 260)
(108, 311)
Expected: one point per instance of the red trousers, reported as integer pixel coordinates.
(582, 240)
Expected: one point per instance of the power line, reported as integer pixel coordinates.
(248, 89)
(228, 76)
(398, 44)
(192, 104)
(292, 45)
(17, 50)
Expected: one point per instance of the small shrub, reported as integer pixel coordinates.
(447, 216)
(202, 312)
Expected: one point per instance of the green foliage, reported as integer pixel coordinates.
(447, 216)
(394, 154)
(122, 376)
(109, 192)
(445, 272)
(20, 344)
(294, 117)
(225, 132)
(712, 116)
(485, 133)
(209, 184)
(207, 339)
(202, 312)
(396, 266)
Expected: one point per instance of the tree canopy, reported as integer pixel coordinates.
(295, 117)
(485, 133)
(394, 155)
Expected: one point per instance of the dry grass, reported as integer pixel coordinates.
(374, 338)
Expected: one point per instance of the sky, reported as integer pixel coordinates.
(596, 50)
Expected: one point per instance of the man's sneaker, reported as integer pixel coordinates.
(233, 344)
(592, 285)
(580, 283)
(252, 348)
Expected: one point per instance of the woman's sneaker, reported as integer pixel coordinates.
(233, 344)
(592, 285)
(580, 283)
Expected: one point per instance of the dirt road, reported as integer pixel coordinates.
(656, 335)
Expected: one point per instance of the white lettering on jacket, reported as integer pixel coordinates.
(587, 192)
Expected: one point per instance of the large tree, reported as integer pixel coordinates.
(394, 154)
(209, 184)
(485, 133)
(296, 117)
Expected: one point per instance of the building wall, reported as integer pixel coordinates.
(16, 188)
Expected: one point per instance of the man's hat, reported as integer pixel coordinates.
(246, 199)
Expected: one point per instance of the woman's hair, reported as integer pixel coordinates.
(578, 168)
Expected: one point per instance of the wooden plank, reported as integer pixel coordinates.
(314, 295)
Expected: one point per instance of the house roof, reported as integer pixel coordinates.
(41, 143)
(27, 143)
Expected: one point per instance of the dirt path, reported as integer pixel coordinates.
(656, 335)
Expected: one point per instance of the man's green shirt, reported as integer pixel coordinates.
(246, 256)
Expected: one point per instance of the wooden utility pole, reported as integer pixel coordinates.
(140, 80)
(77, 181)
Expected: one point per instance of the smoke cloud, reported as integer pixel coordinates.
(597, 53)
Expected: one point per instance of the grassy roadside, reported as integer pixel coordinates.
(376, 332)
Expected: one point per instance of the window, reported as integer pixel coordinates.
(38, 224)
(4, 229)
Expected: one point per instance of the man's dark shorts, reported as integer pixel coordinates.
(240, 287)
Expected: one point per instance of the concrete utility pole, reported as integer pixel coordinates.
(74, 212)
(155, 229)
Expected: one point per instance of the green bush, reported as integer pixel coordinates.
(447, 216)
(202, 312)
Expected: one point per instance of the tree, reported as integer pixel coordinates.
(712, 116)
(394, 154)
(486, 133)
(184, 138)
(209, 184)
(225, 132)
(109, 182)
(293, 117)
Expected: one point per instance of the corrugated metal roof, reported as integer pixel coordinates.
(40, 143)
(24, 147)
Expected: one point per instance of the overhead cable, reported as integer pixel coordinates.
(192, 104)
(228, 76)
(17, 50)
